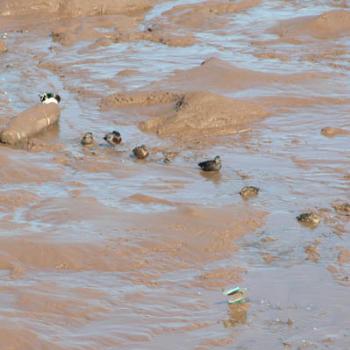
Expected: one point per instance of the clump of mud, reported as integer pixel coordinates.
(208, 14)
(332, 132)
(328, 25)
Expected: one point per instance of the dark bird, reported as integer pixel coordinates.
(88, 139)
(113, 138)
(309, 219)
(211, 165)
(249, 192)
(49, 97)
(140, 152)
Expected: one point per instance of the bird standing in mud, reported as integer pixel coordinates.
(113, 138)
(49, 97)
(140, 152)
(211, 165)
(87, 139)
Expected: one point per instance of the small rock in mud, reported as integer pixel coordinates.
(342, 208)
(310, 220)
(249, 192)
(140, 152)
(332, 132)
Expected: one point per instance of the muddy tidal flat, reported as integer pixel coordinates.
(102, 250)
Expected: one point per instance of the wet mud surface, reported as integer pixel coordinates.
(100, 250)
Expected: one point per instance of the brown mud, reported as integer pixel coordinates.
(99, 250)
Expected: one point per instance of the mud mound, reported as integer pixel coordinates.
(329, 25)
(332, 132)
(70, 31)
(218, 75)
(74, 8)
(207, 14)
(204, 113)
(138, 98)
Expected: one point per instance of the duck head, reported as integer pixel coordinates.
(49, 97)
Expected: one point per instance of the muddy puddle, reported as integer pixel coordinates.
(99, 250)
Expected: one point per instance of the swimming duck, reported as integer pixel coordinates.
(309, 219)
(140, 152)
(88, 139)
(49, 97)
(249, 191)
(211, 165)
(113, 138)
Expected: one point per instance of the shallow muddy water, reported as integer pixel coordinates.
(102, 251)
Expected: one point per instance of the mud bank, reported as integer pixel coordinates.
(217, 75)
(208, 14)
(99, 250)
(329, 25)
(74, 8)
(201, 114)
(190, 115)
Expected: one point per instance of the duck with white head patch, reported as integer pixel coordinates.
(49, 97)
(113, 138)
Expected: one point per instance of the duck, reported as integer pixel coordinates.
(140, 152)
(87, 139)
(113, 138)
(211, 165)
(49, 97)
(309, 219)
(249, 192)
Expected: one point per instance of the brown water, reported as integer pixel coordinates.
(100, 251)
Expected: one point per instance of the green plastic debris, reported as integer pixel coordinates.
(237, 294)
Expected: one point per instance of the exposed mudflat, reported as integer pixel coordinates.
(100, 250)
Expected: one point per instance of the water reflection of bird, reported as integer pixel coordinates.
(140, 152)
(113, 138)
(211, 165)
(49, 97)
